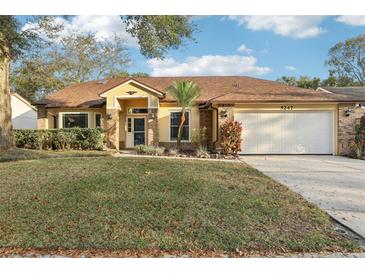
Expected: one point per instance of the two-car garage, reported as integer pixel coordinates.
(287, 132)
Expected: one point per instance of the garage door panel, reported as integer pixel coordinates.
(287, 133)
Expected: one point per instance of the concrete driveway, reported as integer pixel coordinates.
(336, 184)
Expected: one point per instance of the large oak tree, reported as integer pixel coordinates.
(13, 42)
(73, 58)
(347, 59)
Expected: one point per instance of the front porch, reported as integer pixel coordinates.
(133, 123)
(131, 116)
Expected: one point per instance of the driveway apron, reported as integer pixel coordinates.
(336, 184)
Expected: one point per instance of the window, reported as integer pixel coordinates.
(129, 124)
(137, 110)
(70, 120)
(174, 126)
(97, 120)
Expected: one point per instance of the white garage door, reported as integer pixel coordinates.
(287, 133)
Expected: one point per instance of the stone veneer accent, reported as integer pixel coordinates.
(346, 126)
(112, 128)
(225, 113)
(152, 127)
(41, 117)
(206, 120)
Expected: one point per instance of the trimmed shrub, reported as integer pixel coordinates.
(26, 138)
(202, 152)
(230, 132)
(45, 139)
(64, 140)
(60, 139)
(150, 150)
(159, 151)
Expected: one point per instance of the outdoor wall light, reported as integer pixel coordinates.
(109, 116)
(348, 112)
(151, 113)
(223, 113)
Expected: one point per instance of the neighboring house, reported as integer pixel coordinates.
(351, 92)
(276, 118)
(353, 114)
(23, 114)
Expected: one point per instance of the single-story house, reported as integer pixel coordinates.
(276, 118)
(23, 113)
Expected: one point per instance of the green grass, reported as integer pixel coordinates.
(18, 154)
(142, 204)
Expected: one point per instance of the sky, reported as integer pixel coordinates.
(267, 47)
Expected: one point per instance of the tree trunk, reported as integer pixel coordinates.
(179, 134)
(6, 126)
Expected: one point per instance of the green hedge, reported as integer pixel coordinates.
(60, 139)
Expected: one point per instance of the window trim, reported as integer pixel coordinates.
(141, 113)
(101, 118)
(179, 110)
(74, 112)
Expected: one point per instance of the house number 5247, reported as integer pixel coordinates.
(286, 107)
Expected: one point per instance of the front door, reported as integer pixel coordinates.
(135, 131)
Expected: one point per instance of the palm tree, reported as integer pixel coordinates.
(185, 93)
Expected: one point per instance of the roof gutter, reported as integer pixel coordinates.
(217, 127)
(205, 105)
(288, 101)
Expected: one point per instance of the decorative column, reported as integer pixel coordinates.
(348, 117)
(225, 113)
(42, 117)
(112, 128)
(152, 127)
(206, 120)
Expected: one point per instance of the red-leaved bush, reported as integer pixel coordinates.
(230, 132)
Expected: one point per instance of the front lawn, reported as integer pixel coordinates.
(142, 204)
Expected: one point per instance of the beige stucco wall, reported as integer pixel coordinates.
(121, 92)
(42, 118)
(91, 112)
(163, 116)
(164, 119)
(50, 121)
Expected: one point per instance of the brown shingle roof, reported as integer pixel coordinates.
(218, 89)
